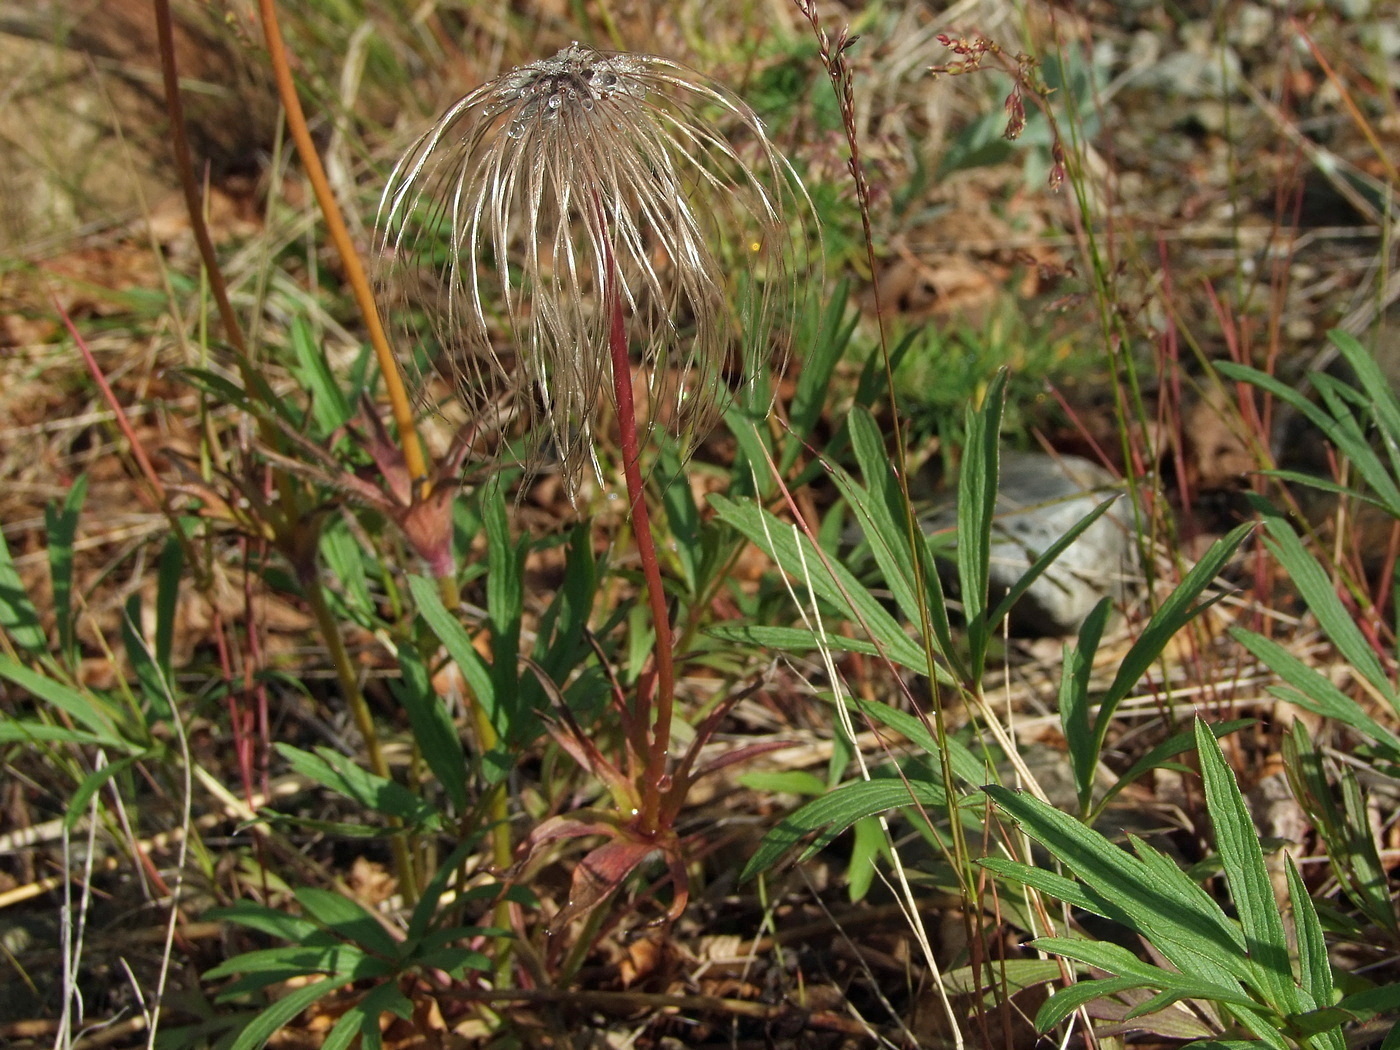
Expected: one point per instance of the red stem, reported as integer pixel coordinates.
(651, 568)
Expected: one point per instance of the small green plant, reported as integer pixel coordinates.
(593, 202)
(1280, 991)
(341, 943)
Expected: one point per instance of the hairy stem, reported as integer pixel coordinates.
(651, 569)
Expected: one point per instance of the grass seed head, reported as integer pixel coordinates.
(503, 224)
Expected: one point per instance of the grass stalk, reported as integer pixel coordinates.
(415, 458)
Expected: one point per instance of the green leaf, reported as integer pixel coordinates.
(964, 763)
(1243, 860)
(1158, 902)
(814, 382)
(261, 1028)
(1379, 390)
(1314, 690)
(505, 595)
(805, 640)
(340, 773)
(1116, 959)
(832, 582)
(1067, 1000)
(791, 781)
(169, 572)
(362, 1019)
(62, 529)
(1337, 425)
(93, 783)
(1315, 972)
(329, 406)
(346, 562)
(1044, 560)
(977, 499)
(1175, 612)
(868, 845)
(1075, 672)
(155, 688)
(1312, 582)
(267, 920)
(475, 671)
(1167, 749)
(455, 962)
(422, 917)
(13, 731)
(348, 919)
(433, 732)
(1047, 882)
(682, 515)
(834, 812)
(293, 959)
(18, 618)
(1373, 1002)
(1013, 975)
(83, 707)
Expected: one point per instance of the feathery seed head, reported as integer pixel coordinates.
(540, 196)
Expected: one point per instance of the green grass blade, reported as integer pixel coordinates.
(18, 617)
(977, 499)
(91, 784)
(682, 514)
(340, 774)
(348, 919)
(1175, 612)
(1314, 690)
(262, 1027)
(1312, 582)
(1196, 937)
(819, 362)
(433, 732)
(1314, 970)
(1075, 671)
(155, 689)
(85, 708)
(832, 582)
(329, 407)
(1243, 860)
(62, 529)
(834, 812)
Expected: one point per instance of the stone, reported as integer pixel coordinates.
(1039, 499)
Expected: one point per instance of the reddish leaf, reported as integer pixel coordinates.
(599, 874)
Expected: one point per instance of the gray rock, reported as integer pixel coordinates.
(1039, 499)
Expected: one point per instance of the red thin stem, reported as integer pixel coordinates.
(651, 568)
